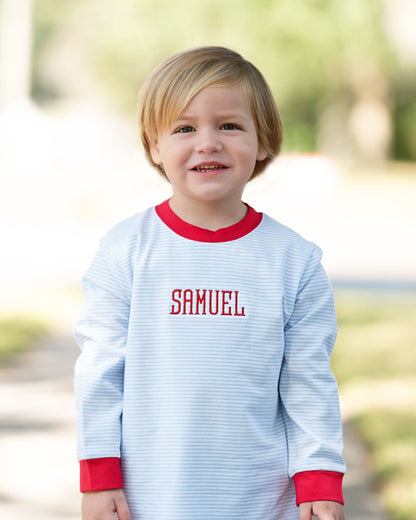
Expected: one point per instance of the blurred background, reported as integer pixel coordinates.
(71, 166)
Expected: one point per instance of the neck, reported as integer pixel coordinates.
(208, 215)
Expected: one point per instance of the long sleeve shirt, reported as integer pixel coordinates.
(204, 385)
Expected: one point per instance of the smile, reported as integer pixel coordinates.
(206, 168)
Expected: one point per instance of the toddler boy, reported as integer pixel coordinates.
(204, 389)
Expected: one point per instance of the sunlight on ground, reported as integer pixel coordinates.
(38, 470)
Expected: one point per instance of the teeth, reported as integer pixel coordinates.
(208, 168)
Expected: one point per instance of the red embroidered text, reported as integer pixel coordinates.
(205, 302)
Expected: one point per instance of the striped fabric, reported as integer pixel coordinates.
(205, 367)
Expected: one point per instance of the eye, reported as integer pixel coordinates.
(229, 126)
(184, 130)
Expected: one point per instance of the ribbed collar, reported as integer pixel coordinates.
(186, 230)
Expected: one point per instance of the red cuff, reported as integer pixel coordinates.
(318, 485)
(99, 474)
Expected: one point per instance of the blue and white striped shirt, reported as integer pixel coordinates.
(205, 367)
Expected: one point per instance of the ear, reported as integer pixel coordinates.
(155, 152)
(261, 154)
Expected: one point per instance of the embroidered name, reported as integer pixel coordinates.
(206, 302)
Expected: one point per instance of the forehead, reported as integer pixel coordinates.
(219, 99)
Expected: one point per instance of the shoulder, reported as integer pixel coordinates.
(126, 233)
(287, 240)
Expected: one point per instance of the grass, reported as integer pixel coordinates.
(391, 436)
(375, 363)
(17, 334)
(376, 339)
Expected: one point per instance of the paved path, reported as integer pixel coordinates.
(38, 468)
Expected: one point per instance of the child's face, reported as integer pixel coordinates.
(210, 152)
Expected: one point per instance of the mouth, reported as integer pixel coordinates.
(208, 168)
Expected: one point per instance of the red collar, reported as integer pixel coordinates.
(186, 230)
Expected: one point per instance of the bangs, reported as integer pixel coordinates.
(175, 93)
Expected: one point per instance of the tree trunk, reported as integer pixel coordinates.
(15, 50)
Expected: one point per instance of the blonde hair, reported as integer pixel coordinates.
(172, 85)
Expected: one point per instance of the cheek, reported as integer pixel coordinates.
(179, 153)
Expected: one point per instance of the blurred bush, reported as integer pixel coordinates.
(17, 334)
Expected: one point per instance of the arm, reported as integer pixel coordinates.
(309, 392)
(101, 332)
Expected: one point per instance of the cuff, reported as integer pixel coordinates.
(318, 485)
(99, 474)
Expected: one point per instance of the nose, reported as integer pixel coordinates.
(208, 141)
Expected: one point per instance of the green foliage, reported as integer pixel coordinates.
(310, 53)
(405, 131)
(17, 333)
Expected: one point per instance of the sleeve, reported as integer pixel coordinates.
(308, 389)
(101, 332)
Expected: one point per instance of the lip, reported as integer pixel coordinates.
(212, 168)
